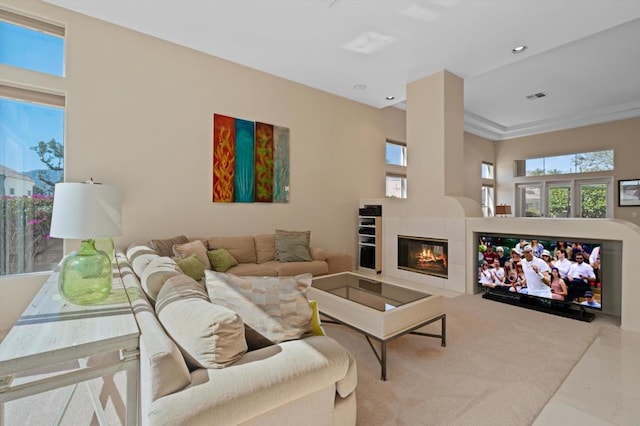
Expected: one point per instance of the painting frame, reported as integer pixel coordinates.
(629, 192)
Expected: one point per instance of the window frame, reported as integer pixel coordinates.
(35, 87)
(396, 171)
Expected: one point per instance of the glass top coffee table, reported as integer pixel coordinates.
(380, 310)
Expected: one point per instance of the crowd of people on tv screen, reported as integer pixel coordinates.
(567, 272)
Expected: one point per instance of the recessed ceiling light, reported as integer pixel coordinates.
(359, 86)
(518, 49)
(390, 98)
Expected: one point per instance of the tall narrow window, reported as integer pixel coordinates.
(396, 169)
(488, 208)
(31, 144)
(488, 198)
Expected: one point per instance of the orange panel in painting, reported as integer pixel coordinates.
(224, 143)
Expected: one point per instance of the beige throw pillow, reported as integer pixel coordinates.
(192, 247)
(165, 247)
(292, 246)
(276, 307)
(208, 335)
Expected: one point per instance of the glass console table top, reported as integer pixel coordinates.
(378, 295)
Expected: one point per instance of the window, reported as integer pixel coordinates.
(31, 144)
(396, 154)
(487, 171)
(585, 198)
(31, 44)
(488, 209)
(396, 169)
(488, 200)
(585, 162)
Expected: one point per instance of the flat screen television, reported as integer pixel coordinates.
(583, 286)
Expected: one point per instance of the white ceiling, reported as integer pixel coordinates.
(584, 54)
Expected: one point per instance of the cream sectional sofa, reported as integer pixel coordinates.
(310, 380)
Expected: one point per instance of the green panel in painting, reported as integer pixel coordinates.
(264, 163)
(280, 164)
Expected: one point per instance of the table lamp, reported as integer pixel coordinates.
(85, 211)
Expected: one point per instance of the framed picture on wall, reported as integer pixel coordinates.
(629, 192)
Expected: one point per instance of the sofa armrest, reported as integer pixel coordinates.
(339, 262)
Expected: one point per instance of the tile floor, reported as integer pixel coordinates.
(604, 386)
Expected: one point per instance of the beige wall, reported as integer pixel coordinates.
(476, 151)
(621, 136)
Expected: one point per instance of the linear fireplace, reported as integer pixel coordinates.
(423, 255)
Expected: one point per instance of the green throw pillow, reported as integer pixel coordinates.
(293, 248)
(221, 260)
(192, 266)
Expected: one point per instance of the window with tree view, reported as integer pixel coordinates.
(31, 144)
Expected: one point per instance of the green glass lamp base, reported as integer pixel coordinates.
(85, 275)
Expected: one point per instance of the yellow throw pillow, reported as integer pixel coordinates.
(316, 325)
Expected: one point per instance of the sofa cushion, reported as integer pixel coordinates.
(265, 247)
(243, 249)
(165, 247)
(208, 335)
(196, 247)
(253, 269)
(221, 260)
(275, 376)
(285, 269)
(192, 266)
(276, 307)
(156, 274)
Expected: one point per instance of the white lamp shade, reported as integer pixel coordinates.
(85, 211)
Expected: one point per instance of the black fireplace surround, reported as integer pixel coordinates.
(423, 255)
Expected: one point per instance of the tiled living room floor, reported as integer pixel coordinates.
(604, 386)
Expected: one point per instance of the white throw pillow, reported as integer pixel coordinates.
(276, 307)
(208, 335)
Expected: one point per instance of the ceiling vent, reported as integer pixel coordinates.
(536, 96)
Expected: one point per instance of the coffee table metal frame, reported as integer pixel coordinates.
(382, 356)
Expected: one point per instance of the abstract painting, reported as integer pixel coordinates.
(250, 161)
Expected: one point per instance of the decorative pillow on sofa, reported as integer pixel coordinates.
(265, 247)
(276, 307)
(196, 247)
(292, 246)
(165, 247)
(156, 274)
(192, 266)
(221, 260)
(208, 335)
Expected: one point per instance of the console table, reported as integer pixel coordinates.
(101, 338)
